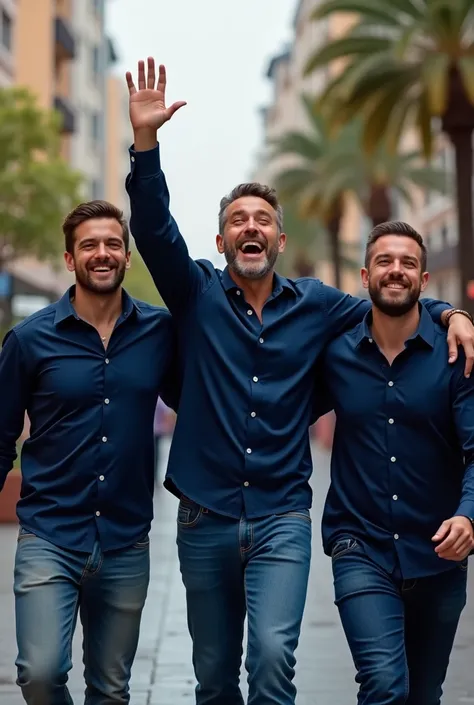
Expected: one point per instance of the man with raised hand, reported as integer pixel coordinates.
(240, 459)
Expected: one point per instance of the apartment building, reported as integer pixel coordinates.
(8, 10)
(118, 140)
(286, 112)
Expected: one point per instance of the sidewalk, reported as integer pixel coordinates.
(162, 672)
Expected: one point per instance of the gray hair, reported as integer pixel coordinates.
(267, 193)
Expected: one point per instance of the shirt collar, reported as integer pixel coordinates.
(424, 332)
(65, 309)
(279, 283)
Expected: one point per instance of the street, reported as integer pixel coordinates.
(162, 672)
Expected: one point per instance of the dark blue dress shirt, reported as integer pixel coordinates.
(87, 467)
(403, 453)
(241, 442)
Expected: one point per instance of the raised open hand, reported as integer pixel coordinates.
(147, 104)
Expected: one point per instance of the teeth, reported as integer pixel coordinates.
(248, 245)
(101, 269)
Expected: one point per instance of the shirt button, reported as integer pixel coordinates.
(249, 450)
(253, 414)
(104, 439)
(393, 458)
(370, 340)
(107, 360)
(249, 312)
(260, 340)
(101, 478)
(255, 379)
(246, 484)
(97, 514)
(132, 159)
(395, 497)
(396, 536)
(390, 420)
(106, 401)
(237, 292)
(390, 384)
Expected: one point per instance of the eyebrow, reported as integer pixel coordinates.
(410, 258)
(261, 211)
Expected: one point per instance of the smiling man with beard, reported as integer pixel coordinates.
(88, 370)
(398, 520)
(240, 459)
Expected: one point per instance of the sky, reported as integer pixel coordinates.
(216, 54)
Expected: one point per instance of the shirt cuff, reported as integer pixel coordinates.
(145, 164)
(465, 509)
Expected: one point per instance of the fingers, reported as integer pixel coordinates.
(161, 79)
(452, 346)
(130, 83)
(469, 352)
(151, 73)
(176, 106)
(141, 76)
(442, 531)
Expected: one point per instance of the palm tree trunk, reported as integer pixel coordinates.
(462, 142)
(333, 227)
(379, 207)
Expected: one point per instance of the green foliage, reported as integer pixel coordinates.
(400, 57)
(37, 187)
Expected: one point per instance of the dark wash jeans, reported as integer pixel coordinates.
(232, 568)
(52, 585)
(400, 632)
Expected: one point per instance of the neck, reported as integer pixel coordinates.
(256, 291)
(391, 332)
(97, 309)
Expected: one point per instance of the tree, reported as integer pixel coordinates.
(407, 62)
(37, 187)
(329, 166)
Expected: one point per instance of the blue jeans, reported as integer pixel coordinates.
(400, 632)
(232, 568)
(52, 585)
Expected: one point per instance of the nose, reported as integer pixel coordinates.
(396, 267)
(102, 251)
(251, 226)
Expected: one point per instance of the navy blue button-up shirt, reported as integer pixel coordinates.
(403, 453)
(241, 440)
(87, 467)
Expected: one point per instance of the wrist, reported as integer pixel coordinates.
(144, 139)
(447, 315)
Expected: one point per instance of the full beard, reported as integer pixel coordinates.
(394, 308)
(86, 281)
(250, 270)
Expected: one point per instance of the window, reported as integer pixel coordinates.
(95, 128)
(7, 28)
(95, 59)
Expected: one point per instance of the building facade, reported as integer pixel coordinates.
(8, 10)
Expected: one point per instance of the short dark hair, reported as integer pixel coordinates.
(395, 227)
(267, 193)
(88, 211)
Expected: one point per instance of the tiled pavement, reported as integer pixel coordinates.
(162, 673)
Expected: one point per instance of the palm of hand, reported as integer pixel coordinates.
(147, 109)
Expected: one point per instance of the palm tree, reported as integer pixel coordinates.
(408, 61)
(327, 167)
(308, 243)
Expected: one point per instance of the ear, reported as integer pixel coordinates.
(69, 259)
(282, 242)
(220, 244)
(127, 261)
(424, 280)
(364, 275)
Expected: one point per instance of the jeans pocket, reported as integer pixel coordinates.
(25, 534)
(343, 546)
(189, 512)
(298, 514)
(144, 542)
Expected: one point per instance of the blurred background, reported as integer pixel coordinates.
(358, 111)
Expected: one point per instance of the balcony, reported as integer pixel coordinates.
(64, 38)
(447, 258)
(64, 108)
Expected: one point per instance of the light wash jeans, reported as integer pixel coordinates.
(52, 585)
